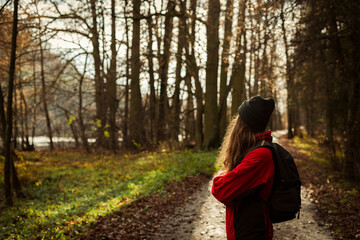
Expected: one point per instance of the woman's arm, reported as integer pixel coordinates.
(255, 169)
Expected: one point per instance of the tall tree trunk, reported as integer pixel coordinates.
(27, 142)
(15, 123)
(43, 95)
(175, 128)
(225, 67)
(289, 77)
(113, 102)
(164, 65)
(331, 76)
(189, 116)
(193, 69)
(126, 107)
(99, 82)
(8, 157)
(238, 73)
(351, 165)
(35, 102)
(151, 79)
(251, 60)
(81, 120)
(135, 121)
(211, 133)
(264, 73)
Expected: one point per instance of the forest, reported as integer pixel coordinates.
(148, 88)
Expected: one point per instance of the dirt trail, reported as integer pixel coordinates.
(203, 217)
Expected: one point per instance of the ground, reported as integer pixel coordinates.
(204, 218)
(189, 211)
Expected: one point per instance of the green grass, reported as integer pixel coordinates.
(68, 190)
(311, 147)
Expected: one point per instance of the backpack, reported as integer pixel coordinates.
(285, 198)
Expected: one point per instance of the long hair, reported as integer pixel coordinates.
(238, 139)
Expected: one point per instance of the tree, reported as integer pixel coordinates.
(225, 67)
(113, 102)
(238, 71)
(211, 133)
(289, 76)
(8, 155)
(136, 113)
(175, 128)
(164, 67)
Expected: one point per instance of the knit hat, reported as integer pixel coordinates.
(256, 112)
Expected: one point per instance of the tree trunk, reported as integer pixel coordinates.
(351, 165)
(43, 94)
(99, 82)
(113, 102)
(151, 79)
(238, 73)
(164, 65)
(81, 120)
(225, 67)
(189, 116)
(193, 69)
(252, 45)
(27, 142)
(35, 103)
(125, 124)
(136, 112)
(264, 73)
(8, 157)
(289, 78)
(211, 133)
(175, 128)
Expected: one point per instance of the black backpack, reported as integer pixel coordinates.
(285, 198)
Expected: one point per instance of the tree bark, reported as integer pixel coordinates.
(211, 132)
(193, 69)
(113, 102)
(135, 121)
(8, 157)
(43, 94)
(225, 67)
(238, 73)
(175, 128)
(162, 133)
(289, 77)
(151, 79)
(189, 115)
(125, 124)
(99, 81)
(80, 111)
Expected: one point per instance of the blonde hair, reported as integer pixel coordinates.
(238, 139)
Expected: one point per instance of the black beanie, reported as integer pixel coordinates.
(256, 112)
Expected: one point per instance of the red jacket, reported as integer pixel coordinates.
(244, 191)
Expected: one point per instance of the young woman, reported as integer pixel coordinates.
(246, 183)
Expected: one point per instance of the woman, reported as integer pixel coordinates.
(246, 183)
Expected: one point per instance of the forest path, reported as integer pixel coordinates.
(203, 217)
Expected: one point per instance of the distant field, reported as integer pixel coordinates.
(67, 190)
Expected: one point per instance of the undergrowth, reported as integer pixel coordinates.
(67, 191)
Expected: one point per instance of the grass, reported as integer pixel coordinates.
(311, 147)
(68, 190)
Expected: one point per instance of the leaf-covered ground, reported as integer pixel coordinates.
(68, 191)
(337, 200)
(143, 218)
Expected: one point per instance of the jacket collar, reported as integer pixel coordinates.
(264, 136)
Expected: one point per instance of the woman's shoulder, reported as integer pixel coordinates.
(260, 153)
